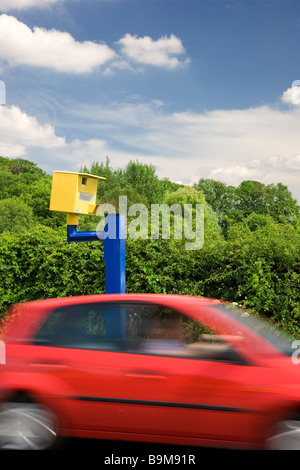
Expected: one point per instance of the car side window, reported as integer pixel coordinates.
(78, 326)
(134, 328)
(157, 330)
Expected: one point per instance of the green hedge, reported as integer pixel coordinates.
(257, 268)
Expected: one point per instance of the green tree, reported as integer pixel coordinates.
(19, 165)
(274, 200)
(250, 197)
(222, 199)
(217, 194)
(10, 185)
(111, 176)
(15, 216)
(137, 181)
(283, 207)
(144, 180)
(37, 196)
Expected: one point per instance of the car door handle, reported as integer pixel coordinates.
(50, 363)
(146, 374)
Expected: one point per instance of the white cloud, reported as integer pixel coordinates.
(165, 52)
(285, 164)
(22, 135)
(13, 150)
(292, 94)
(227, 145)
(50, 49)
(117, 65)
(259, 143)
(6, 5)
(294, 163)
(59, 51)
(18, 131)
(234, 174)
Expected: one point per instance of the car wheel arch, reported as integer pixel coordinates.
(280, 429)
(45, 389)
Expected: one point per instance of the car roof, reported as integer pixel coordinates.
(153, 298)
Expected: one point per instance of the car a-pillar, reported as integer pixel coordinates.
(75, 194)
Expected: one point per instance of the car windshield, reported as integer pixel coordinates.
(263, 326)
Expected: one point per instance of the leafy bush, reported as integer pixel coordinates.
(41, 264)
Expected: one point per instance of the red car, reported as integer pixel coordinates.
(152, 368)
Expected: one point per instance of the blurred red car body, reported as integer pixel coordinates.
(154, 368)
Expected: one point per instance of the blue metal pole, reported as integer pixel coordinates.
(115, 278)
(74, 236)
(115, 261)
(114, 256)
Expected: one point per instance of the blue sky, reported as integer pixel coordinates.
(198, 88)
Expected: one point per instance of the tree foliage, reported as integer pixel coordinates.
(250, 197)
(15, 215)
